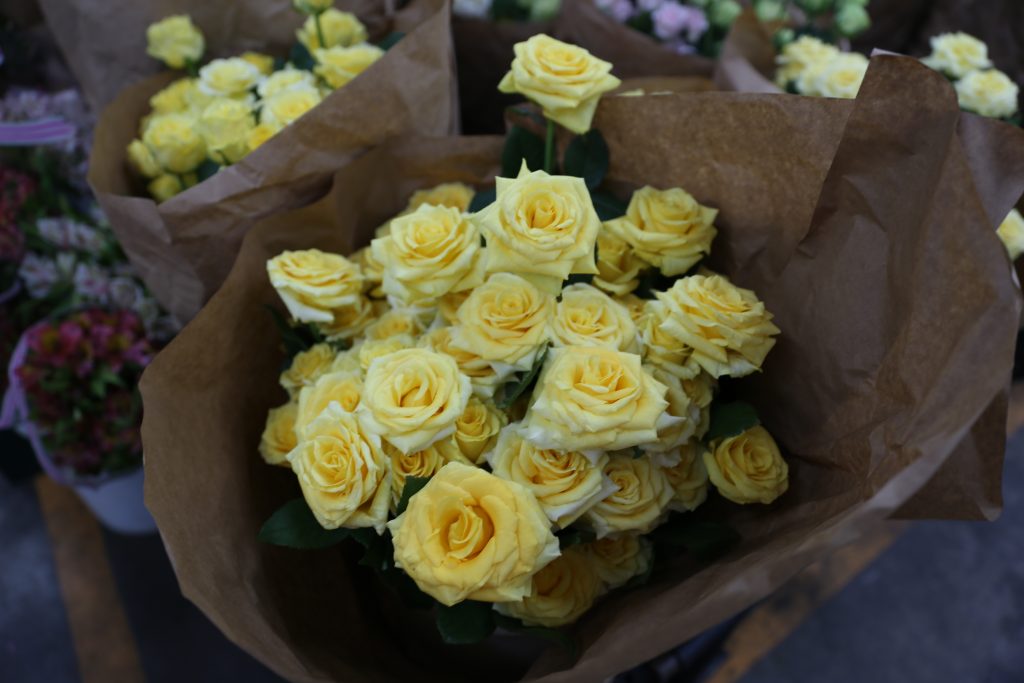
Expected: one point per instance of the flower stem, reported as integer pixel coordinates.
(549, 148)
(319, 31)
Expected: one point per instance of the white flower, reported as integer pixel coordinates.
(39, 274)
(989, 93)
(672, 19)
(123, 292)
(91, 282)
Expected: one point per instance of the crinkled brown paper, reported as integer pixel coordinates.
(861, 225)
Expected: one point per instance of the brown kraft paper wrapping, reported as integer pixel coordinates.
(860, 224)
(185, 246)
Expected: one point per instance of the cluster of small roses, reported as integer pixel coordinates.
(809, 66)
(229, 107)
(980, 88)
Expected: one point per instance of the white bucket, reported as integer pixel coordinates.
(117, 503)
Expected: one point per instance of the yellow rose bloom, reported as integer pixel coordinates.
(481, 374)
(618, 266)
(688, 477)
(413, 397)
(373, 272)
(617, 559)
(174, 142)
(562, 592)
(259, 134)
(586, 316)
(343, 388)
(344, 475)
(668, 229)
(661, 349)
(727, 327)
(306, 368)
(429, 252)
(806, 52)
(448, 305)
(174, 98)
(264, 63)
(988, 93)
(1011, 232)
(370, 350)
(592, 399)
(142, 160)
(338, 65)
(688, 412)
(339, 28)
(288, 105)
(541, 227)
(477, 429)
(229, 77)
(164, 187)
(312, 283)
(175, 41)
(748, 467)
(286, 79)
(505, 322)
(566, 483)
(278, 438)
(397, 321)
(957, 54)
(425, 463)
(225, 125)
(453, 195)
(469, 535)
(565, 80)
(348, 321)
(640, 501)
(840, 77)
(636, 306)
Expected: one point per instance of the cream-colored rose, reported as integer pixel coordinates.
(1011, 232)
(174, 142)
(164, 187)
(343, 472)
(448, 305)
(175, 41)
(565, 80)
(481, 374)
(373, 272)
(343, 388)
(619, 558)
(286, 106)
(369, 350)
(541, 227)
(264, 63)
(259, 134)
(586, 316)
(748, 467)
(225, 125)
(428, 253)
(142, 160)
(618, 266)
(477, 429)
(173, 99)
(339, 65)
(807, 52)
(424, 464)
(562, 592)
(840, 77)
(688, 477)
(989, 93)
(957, 54)
(286, 79)
(636, 306)
(505, 322)
(349, 321)
(661, 349)
(667, 228)
(397, 321)
(306, 368)
(469, 535)
(278, 438)
(413, 397)
(313, 283)
(566, 483)
(727, 327)
(229, 77)
(339, 28)
(453, 195)
(640, 501)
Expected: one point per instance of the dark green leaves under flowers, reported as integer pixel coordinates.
(730, 419)
(299, 337)
(301, 57)
(511, 391)
(470, 622)
(294, 526)
(412, 487)
(706, 541)
(587, 158)
(521, 145)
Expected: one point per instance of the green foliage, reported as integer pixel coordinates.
(298, 337)
(390, 40)
(482, 199)
(521, 145)
(573, 536)
(587, 158)
(465, 623)
(730, 419)
(607, 206)
(294, 526)
(207, 169)
(301, 57)
(412, 487)
(511, 391)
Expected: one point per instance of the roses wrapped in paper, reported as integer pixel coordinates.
(886, 390)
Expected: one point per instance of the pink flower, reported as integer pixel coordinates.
(672, 20)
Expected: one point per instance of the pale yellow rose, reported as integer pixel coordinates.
(142, 160)
(453, 195)
(1011, 232)
(469, 535)
(428, 253)
(748, 467)
(562, 592)
(424, 464)
(174, 98)
(286, 106)
(541, 227)
(370, 350)
(448, 305)
(477, 429)
(339, 28)
(586, 316)
(640, 501)
(175, 41)
(343, 472)
(373, 272)
(840, 77)
(165, 186)
(278, 438)
(504, 321)
(265, 63)
(286, 79)
(565, 80)
(957, 54)
(690, 413)
(661, 349)
(343, 388)
(592, 399)
(348, 361)
(312, 6)
(259, 134)
(618, 266)
(481, 374)
(174, 142)
(688, 477)
(339, 65)
(806, 52)
(988, 93)
(229, 77)
(727, 327)
(636, 306)
(397, 321)
(225, 125)
(413, 397)
(668, 229)
(349, 321)
(307, 367)
(619, 558)
(566, 483)
(313, 283)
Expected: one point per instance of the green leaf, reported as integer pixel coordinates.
(390, 40)
(607, 206)
(587, 158)
(641, 21)
(292, 337)
(521, 145)
(412, 487)
(406, 589)
(730, 419)
(557, 636)
(294, 526)
(207, 169)
(573, 536)
(466, 622)
(301, 57)
(482, 199)
(511, 391)
(379, 552)
(706, 541)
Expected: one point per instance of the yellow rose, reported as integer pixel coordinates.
(397, 321)
(989, 93)
(348, 321)
(565, 80)
(728, 329)
(278, 437)
(174, 98)
(541, 227)
(562, 592)
(286, 106)
(142, 160)
(174, 142)
(264, 63)
(175, 41)
(164, 187)
(701, 390)
(448, 305)
(957, 54)
(259, 134)
(225, 125)
(344, 475)
(640, 501)
(618, 266)
(425, 464)
(681, 405)
(661, 349)
(453, 195)
(840, 77)
(688, 477)
(348, 361)
(505, 322)
(667, 228)
(477, 429)
(370, 350)
(592, 399)
(339, 65)
(339, 28)
(636, 306)
(1011, 232)
(807, 52)
(748, 468)
(307, 367)
(429, 252)
(469, 535)
(229, 77)
(312, 283)
(586, 316)
(413, 397)
(617, 559)
(373, 272)
(566, 483)
(284, 80)
(343, 388)
(481, 375)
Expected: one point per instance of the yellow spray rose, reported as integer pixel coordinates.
(806, 52)
(1011, 232)
(343, 388)
(453, 195)
(617, 559)
(448, 305)
(397, 321)
(307, 367)
(989, 93)
(586, 316)
(667, 228)
(636, 306)
(661, 349)
(312, 283)
(338, 65)
(286, 106)
(348, 321)
(469, 535)
(681, 405)
(566, 483)
(286, 79)
(593, 399)
(748, 467)
(259, 134)
(370, 350)
(541, 227)
(229, 77)
(565, 80)
(688, 477)
(477, 429)
(339, 28)
(142, 160)
(640, 501)
(174, 142)
(840, 77)
(727, 327)
(424, 464)
(481, 375)
(164, 187)
(278, 438)
(562, 592)
(618, 266)
(373, 272)
(174, 98)
(225, 125)
(343, 472)
(264, 63)
(175, 41)
(957, 54)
